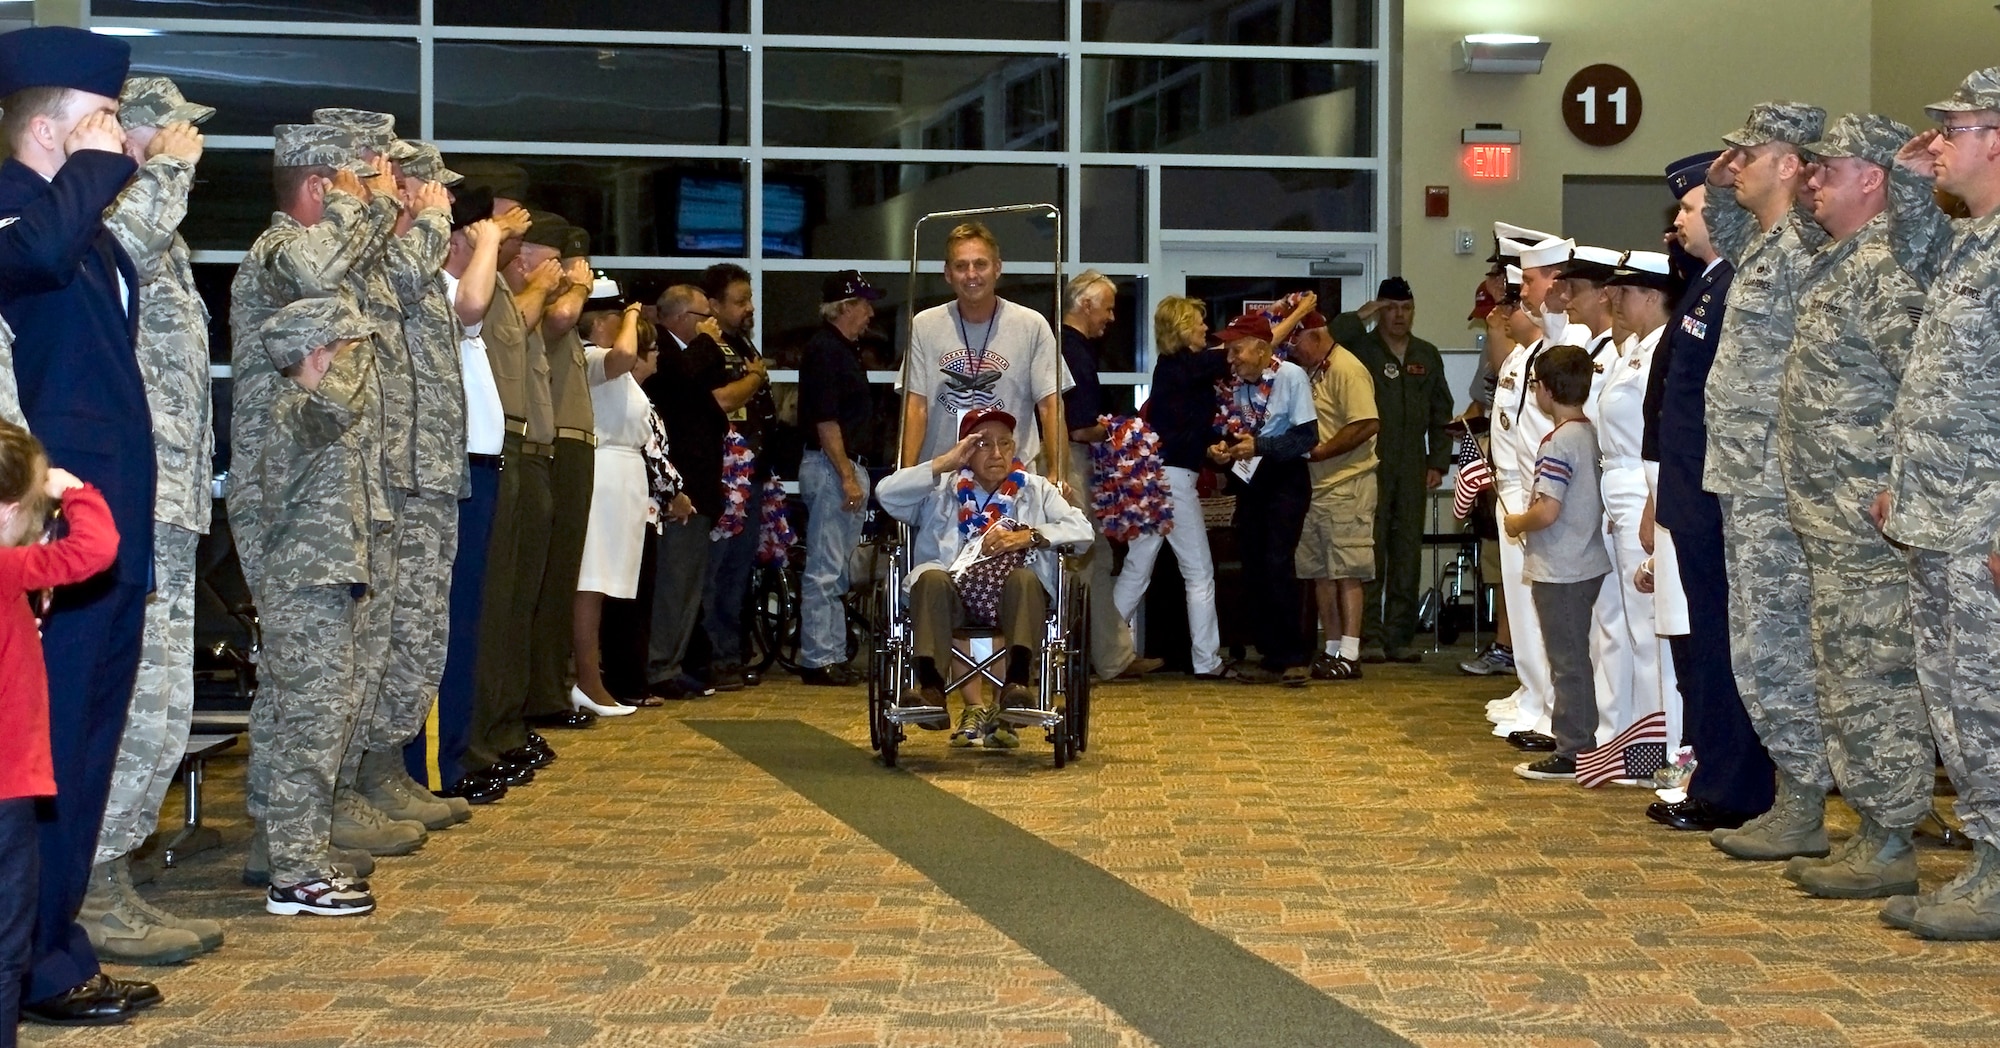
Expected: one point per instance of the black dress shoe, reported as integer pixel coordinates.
(512, 774)
(726, 680)
(477, 788)
(535, 739)
(97, 1001)
(137, 994)
(1531, 742)
(1694, 815)
(829, 677)
(567, 719)
(534, 757)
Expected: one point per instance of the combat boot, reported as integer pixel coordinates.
(353, 865)
(1902, 909)
(122, 932)
(209, 932)
(461, 809)
(1795, 825)
(1883, 864)
(1973, 912)
(381, 786)
(1797, 865)
(358, 824)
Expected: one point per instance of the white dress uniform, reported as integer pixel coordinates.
(1610, 644)
(615, 540)
(1619, 415)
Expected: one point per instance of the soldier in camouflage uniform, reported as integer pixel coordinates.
(1857, 309)
(317, 464)
(173, 361)
(1943, 496)
(1754, 223)
(400, 264)
(319, 245)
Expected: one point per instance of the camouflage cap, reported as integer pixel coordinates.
(295, 331)
(374, 132)
(401, 150)
(427, 163)
(154, 101)
(1793, 122)
(317, 145)
(1978, 93)
(1871, 137)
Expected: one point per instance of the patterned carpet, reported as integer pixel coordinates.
(653, 888)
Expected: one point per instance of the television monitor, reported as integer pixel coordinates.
(709, 218)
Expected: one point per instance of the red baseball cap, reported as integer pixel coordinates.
(1312, 320)
(979, 417)
(1249, 325)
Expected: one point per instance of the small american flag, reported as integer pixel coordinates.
(1636, 753)
(1473, 476)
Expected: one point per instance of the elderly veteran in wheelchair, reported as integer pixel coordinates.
(984, 531)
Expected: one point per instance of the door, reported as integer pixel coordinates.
(1227, 277)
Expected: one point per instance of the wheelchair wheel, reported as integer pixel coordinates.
(1061, 738)
(1077, 713)
(774, 618)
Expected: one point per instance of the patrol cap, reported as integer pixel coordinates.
(424, 161)
(1690, 171)
(1651, 269)
(292, 333)
(1977, 93)
(1395, 289)
(576, 243)
(155, 101)
(1550, 252)
(1794, 122)
(980, 416)
(1595, 264)
(62, 56)
(1249, 325)
(373, 131)
(1869, 136)
(316, 145)
(549, 230)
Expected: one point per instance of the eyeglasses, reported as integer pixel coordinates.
(1954, 130)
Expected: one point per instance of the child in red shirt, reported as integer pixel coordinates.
(28, 487)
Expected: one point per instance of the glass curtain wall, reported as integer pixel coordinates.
(797, 137)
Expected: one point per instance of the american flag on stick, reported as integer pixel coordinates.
(1474, 476)
(1636, 753)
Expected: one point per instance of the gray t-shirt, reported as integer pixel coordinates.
(1571, 549)
(1010, 363)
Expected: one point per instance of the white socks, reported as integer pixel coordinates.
(1350, 648)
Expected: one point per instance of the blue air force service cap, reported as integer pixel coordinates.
(59, 56)
(1690, 171)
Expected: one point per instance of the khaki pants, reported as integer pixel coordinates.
(936, 610)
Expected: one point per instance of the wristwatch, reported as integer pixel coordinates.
(1037, 540)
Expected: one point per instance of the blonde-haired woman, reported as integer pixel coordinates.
(1181, 409)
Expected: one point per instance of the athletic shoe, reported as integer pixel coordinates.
(1002, 737)
(1551, 767)
(324, 896)
(1333, 667)
(971, 727)
(1495, 658)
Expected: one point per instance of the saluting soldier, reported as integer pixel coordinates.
(1753, 221)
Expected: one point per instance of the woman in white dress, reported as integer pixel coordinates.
(620, 353)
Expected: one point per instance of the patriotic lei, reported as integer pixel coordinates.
(1233, 419)
(974, 519)
(1129, 481)
(774, 534)
(1276, 313)
(738, 464)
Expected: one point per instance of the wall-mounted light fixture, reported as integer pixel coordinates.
(1501, 53)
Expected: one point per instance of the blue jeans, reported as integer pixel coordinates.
(832, 533)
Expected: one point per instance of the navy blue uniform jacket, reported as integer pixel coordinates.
(1678, 437)
(74, 340)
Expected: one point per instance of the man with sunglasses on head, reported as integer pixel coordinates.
(1943, 497)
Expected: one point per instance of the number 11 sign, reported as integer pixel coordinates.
(1601, 105)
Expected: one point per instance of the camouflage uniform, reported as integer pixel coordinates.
(1769, 587)
(318, 451)
(173, 361)
(1945, 479)
(1856, 312)
(10, 390)
(289, 262)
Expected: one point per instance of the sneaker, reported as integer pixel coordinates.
(971, 727)
(1002, 737)
(325, 896)
(1552, 767)
(1495, 659)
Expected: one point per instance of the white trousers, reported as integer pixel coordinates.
(1190, 542)
(1643, 656)
(1534, 700)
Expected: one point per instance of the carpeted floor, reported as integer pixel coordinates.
(724, 873)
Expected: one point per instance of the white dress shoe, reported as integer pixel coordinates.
(578, 700)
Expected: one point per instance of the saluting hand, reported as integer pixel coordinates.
(1719, 173)
(179, 140)
(97, 131)
(383, 181)
(545, 276)
(514, 222)
(1915, 156)
(955, 457)
(346, 182)
(433, 195)
(579, 272)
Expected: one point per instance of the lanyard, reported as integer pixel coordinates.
(979, 363)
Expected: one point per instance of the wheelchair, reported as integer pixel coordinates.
(1062, 700)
